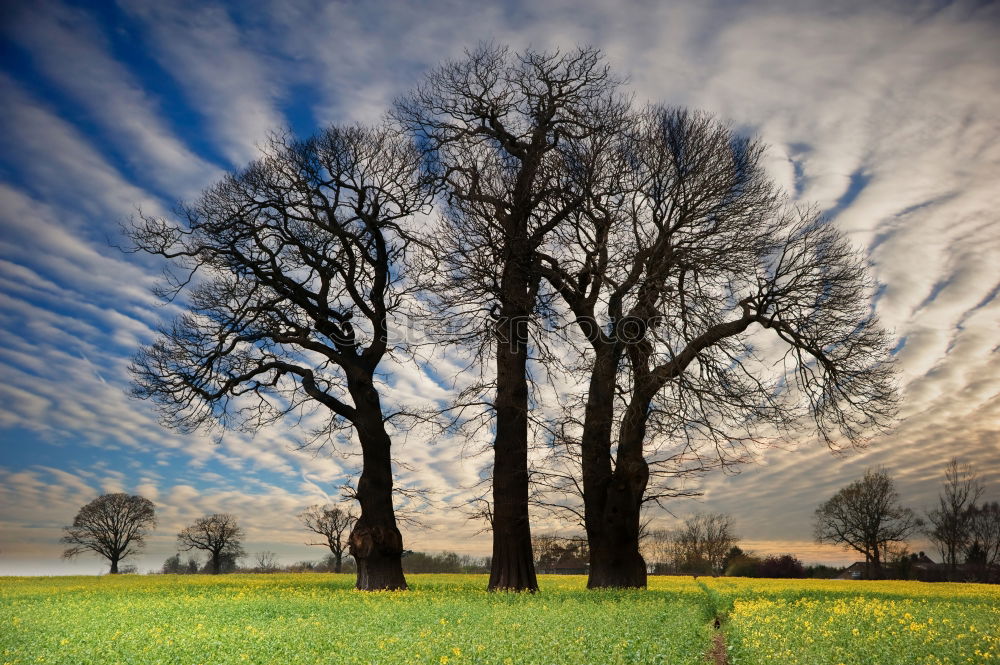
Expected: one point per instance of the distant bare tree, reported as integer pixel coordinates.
(950, 524)
(500, 132)
(266, 561)
(294, 267)
(866, 516)
(704, 540)
(658, 550)
(551, 550)
(984, 528)
(113, 526)
(219, 535)
(332, 523)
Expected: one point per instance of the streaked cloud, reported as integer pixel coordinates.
(884, 115)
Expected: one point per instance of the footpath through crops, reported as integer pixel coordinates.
(451, 620)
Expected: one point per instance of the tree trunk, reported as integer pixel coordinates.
(336, 562)
(615, 560)
(375, 542)
(216, 562)
(114, 566)
(513, 566)
(606, 567)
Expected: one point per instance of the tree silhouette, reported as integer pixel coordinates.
(332, 523)
(684, 250)
(866, 516)
(498, 130)
(219, 535)
(112, 525)
(294, 267)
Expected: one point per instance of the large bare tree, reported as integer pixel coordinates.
(293, 267)
(500, 133)
(113, 526)
(218, 535)
(684, 249)
(950, 524)
(866, 516)
(332, 523)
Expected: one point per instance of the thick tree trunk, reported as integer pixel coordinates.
(114, 566)
(337, 563)
(615, 560)
(216, 562)
(513, 567)
(596, 469)
(375, 542)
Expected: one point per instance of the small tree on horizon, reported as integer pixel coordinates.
(332, 523)
(112, 525)
(866, 516)
(219, 535)
(950, 524)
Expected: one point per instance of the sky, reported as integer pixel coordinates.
(885, 115)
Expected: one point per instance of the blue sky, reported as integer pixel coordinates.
(887, 117)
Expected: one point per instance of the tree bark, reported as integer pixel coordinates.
(375, 542)
(336, 563)
(615, 560)
(114, 566)
(513, 567)
(216, 562)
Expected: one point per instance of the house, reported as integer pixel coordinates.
(856, 571)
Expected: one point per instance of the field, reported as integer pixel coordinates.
(450, 620)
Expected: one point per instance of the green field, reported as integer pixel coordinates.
(451, 620)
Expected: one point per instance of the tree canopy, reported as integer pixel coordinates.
(866, 516)
(113, 526)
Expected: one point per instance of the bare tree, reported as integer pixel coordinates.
(866, 516)
(984, 546)
(708, 537)
(684, 249)
(701, 544)
(950, 524)
(113, 526)
(219, 535)
(500, 133)
(332, 523)
(658, 550)
(266, 561)
(294, 267)
(552, 551)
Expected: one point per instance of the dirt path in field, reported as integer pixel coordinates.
(717, 656)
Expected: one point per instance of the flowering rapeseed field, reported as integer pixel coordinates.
(451, 620)
(836, 622)
(319, 618)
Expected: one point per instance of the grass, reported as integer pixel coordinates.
(318, 618)
(802, 622)
(451, 620)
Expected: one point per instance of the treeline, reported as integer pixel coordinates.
(707, 544)
(265, 562)
(868, 517)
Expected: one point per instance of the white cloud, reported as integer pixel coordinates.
(224, 75)
(72, 51)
